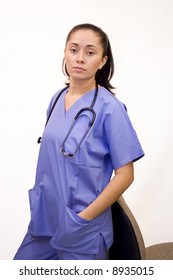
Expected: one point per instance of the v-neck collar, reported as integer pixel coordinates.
(84, 101)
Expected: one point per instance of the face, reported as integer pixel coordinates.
(84, 55)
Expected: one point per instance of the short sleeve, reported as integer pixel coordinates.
(51, 103)
(123, 143)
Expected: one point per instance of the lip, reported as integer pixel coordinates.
(77, 68)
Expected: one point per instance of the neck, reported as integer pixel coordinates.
(77, 88)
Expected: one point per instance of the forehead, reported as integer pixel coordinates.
(85, 37)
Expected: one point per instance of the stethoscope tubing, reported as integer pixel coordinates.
(90, 109)
(62, 150)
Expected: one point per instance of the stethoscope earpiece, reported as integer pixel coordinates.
(39, 140)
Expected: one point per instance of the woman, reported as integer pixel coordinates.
(73, 192)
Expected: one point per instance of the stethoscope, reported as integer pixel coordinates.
(90, 124)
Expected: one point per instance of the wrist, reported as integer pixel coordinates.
(84, 215)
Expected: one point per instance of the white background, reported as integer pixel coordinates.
(32, 37)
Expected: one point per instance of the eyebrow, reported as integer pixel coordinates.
(87, 46)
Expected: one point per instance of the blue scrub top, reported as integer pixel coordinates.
(65, 186)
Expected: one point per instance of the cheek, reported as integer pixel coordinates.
(68, 57)
(95, 65)
(68, 62)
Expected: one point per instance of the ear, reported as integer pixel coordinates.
(103, 62)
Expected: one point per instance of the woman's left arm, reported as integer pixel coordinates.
(122, 179)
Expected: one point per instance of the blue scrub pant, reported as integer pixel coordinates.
(38, 248)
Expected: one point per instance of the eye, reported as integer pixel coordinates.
(90, 53)
(73, 50)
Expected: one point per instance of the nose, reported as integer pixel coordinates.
(80, 57)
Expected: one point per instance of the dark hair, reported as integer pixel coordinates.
(104, 75)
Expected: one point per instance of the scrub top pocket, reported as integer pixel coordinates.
(34, 200)
(39, 224)
(76, 234)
